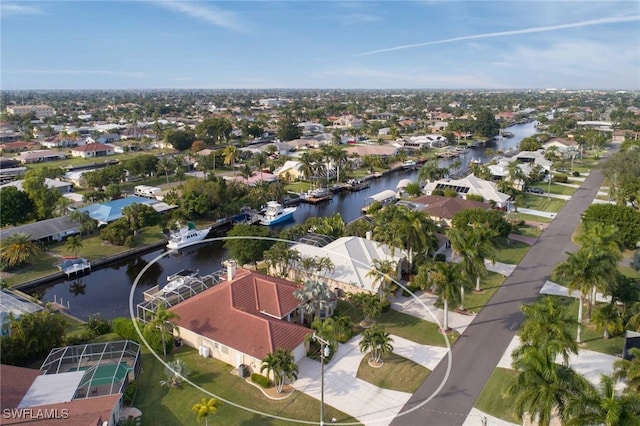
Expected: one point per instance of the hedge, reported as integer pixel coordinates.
(260, 380)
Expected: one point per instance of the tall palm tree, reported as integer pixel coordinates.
(340, 158)
(377, 342)
(383, 274)
(282, 365)
(73, 244)
(445, 276)
(609, 320)
(161, 319)
(260, 160)
(18, 249)
(542, 387)
(416, 229)
(629, 370)
(470, 246)
(307, 166)
(165, 165)
(603, 406)
(369, 303)
(231, 155)
(280, 256)
(204, 409)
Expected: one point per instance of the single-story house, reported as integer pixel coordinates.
(243, 319)
(443, 209)
(255, 178)
(93, 150)
(45, 231)
(62, 186)
(290, 169)
(431, 141)
(19, 146)
(353, 259)
(309, 128)
(40, 155)
(62, 142)
(375, 150)
(470, 185)
(562, 144)
(79, 385)
(107, 212)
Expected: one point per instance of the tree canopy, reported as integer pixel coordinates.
(245, 249)
(625, 218)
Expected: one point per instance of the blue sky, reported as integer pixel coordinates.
(327, 44)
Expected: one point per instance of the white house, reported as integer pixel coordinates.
(93, 150)
(353, 259)
(470, 185)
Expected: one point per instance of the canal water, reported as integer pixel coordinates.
(107, 290)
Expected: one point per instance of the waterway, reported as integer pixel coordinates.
(107, 290)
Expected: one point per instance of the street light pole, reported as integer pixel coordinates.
(550, 176)
(324, 352)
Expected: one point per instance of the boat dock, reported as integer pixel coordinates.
(74, 266)
(312, 199)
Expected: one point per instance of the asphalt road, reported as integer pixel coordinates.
(476, 353)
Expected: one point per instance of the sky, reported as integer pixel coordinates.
(157, 44)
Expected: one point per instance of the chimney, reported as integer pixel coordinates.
(231, 269)
(368, 235)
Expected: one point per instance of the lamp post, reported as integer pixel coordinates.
(324, 352)
(550, 176)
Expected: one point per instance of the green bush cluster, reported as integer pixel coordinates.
(260, 380)
(98, 325)
(625, 218)
(561, 178)
(129, 394)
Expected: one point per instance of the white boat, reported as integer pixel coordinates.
(174, 284)
(186, 235)
(275, 213)
(183, 273)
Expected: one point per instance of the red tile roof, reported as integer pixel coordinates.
(447, 207)
(93, 147)
(240, 314)
(79, 412)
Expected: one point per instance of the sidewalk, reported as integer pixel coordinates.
(369, 404)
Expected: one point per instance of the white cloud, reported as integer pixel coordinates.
(612, 20)
(8, 9)
(210, 14)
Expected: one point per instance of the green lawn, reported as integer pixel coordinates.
(539, 202)
(556, 189)
(529, 231)
(397, 373)
(297, 187)
(164, 406)
(492, 400)
(510, 251)
(629, 271)
(476, 301)
(528, 217)
(414, 329)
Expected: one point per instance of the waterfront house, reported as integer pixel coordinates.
(93, 150)
(19, 146)
(353, 259)
(470, 185)
(45, 231)
(244, 318)
(105, 213)
(62, 186)
(442, 209)
(39, 156)
(561, 144)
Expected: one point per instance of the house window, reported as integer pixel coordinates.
(224, 349)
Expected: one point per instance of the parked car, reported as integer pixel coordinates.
(535, 190)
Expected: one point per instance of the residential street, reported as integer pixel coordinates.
(477, 352)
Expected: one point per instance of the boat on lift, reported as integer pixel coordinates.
(186, 235)
(275, 213)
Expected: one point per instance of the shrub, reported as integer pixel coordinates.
(625, 218)
(129, 394)
(98, 325)
(475, 197)
(451, 193)
(635, 264)
(124, 328)
(260, 380)
(440, 257)
(386, 306)
(561, 178)
(437, 192)
(576, 173)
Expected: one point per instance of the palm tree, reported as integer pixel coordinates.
(314, 296)
(416, 229)
(18, 249)
(370, 305)
(542, 387)
(87, 224)
(431, 171)
(471, 244)
(377, 342)
(176, 371)
(279, 257)
(608, 319)
(546, 324)
(161, 318)
(307, 166)
(73, 244)
(204, 409)
(282, 365)
(165, 165)
(62, 206)
(629, 369)
(603, 406)
(445, 276)
(260, 160)
(383, 273)
(231, 155)
(339, 157)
